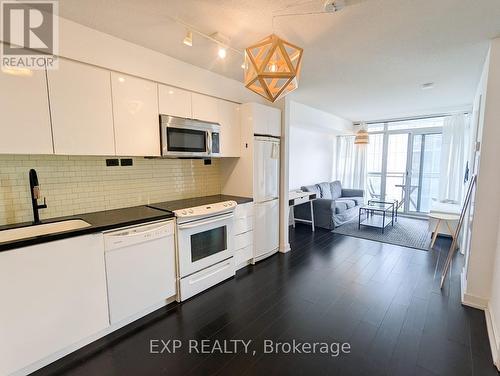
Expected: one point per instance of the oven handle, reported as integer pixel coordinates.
(196, 224)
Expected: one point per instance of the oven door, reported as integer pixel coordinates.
(205, 242)
(180, 141)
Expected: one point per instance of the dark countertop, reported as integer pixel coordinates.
(198, 201)
(99, 221)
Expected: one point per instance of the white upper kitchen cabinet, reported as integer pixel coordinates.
(274, 121)
(53, 296)
(82, 115)
(266, 120)
(205, 108)
(174, 101)
(24, 105)
(135, 109)
(229, 119)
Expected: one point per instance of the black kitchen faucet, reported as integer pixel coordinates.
(35, 195)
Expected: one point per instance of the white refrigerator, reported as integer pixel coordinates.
(266, 196)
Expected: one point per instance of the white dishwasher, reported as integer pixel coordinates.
(140, 268)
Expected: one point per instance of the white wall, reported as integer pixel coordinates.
(312, 144)
(483, 272)
(487, 203)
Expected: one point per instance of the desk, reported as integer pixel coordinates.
(297, 198)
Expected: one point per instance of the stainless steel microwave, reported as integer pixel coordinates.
(188, 138)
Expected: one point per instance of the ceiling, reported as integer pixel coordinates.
(365, 62)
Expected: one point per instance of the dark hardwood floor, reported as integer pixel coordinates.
(382, 299)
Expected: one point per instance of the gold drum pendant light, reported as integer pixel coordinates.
(272, 67)
(361, 138)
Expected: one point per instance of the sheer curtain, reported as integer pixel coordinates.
(454, 155)
(350, 166)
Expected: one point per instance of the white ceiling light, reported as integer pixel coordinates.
(222, 52)
(188, 39)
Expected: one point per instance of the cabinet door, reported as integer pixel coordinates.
(80, 103)
(135, 109)
(274, 121)
(205, 108)
(24, 105)
(229, 119)
(174, 101)
(259, 119)
(53, 295)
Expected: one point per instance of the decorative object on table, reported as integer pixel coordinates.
(362, 137)
(298, 198)
(272, 67)
(461, 219)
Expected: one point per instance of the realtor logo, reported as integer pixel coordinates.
(29, 34)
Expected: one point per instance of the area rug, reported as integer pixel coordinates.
(407, 232)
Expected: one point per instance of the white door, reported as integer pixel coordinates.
(173, 101)
(266, 168)
(135, 109)
(24, 105)
(80, 103)
(266, 228)
(205, 108)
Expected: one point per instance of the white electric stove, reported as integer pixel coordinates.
(205, 247)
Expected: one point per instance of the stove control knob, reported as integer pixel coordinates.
(230, 204)
(184, 212)
(225, 204)
(191, 211)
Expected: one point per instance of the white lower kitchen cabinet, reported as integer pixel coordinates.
(53, 295)
(243, 230)
(135, 109)
(24, 105)
(81, 109)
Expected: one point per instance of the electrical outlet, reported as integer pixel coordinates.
(127, 162)
(112, 162)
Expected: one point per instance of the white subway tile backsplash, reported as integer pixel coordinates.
(74, 184)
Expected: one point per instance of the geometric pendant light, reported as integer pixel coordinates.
(272, 67)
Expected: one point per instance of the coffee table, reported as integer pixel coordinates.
(378, 214)
(397, 204)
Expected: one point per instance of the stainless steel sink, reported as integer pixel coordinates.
(41, 229)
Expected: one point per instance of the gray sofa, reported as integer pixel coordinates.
(333, 206)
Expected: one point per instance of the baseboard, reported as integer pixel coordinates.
(471, 300)
(285, 248)
(474, 301)
(493, 336)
